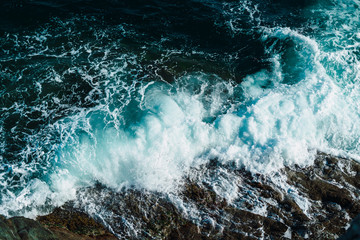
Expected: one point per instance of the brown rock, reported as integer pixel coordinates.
(71, 224)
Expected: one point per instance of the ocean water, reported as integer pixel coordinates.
(136, 94)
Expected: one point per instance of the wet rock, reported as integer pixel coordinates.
(60, 225)
(20, 228)
(331, 186)
(67, 223)
(8, 230)
(28, 229)
(262, 210)
(142, 215)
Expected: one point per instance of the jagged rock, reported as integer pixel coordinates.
(330, 186)
(75, 222)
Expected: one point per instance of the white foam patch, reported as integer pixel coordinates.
(152, 154)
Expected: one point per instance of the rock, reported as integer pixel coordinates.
(74, 222)
(143, 215)
(20, 228)
(28, 229)
(61, 224)
(68, 223)
(329, 186)
(8, 230)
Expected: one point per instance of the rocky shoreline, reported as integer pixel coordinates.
(61, 224)
(330, 186)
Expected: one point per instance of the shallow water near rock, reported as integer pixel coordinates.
(230, 102)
